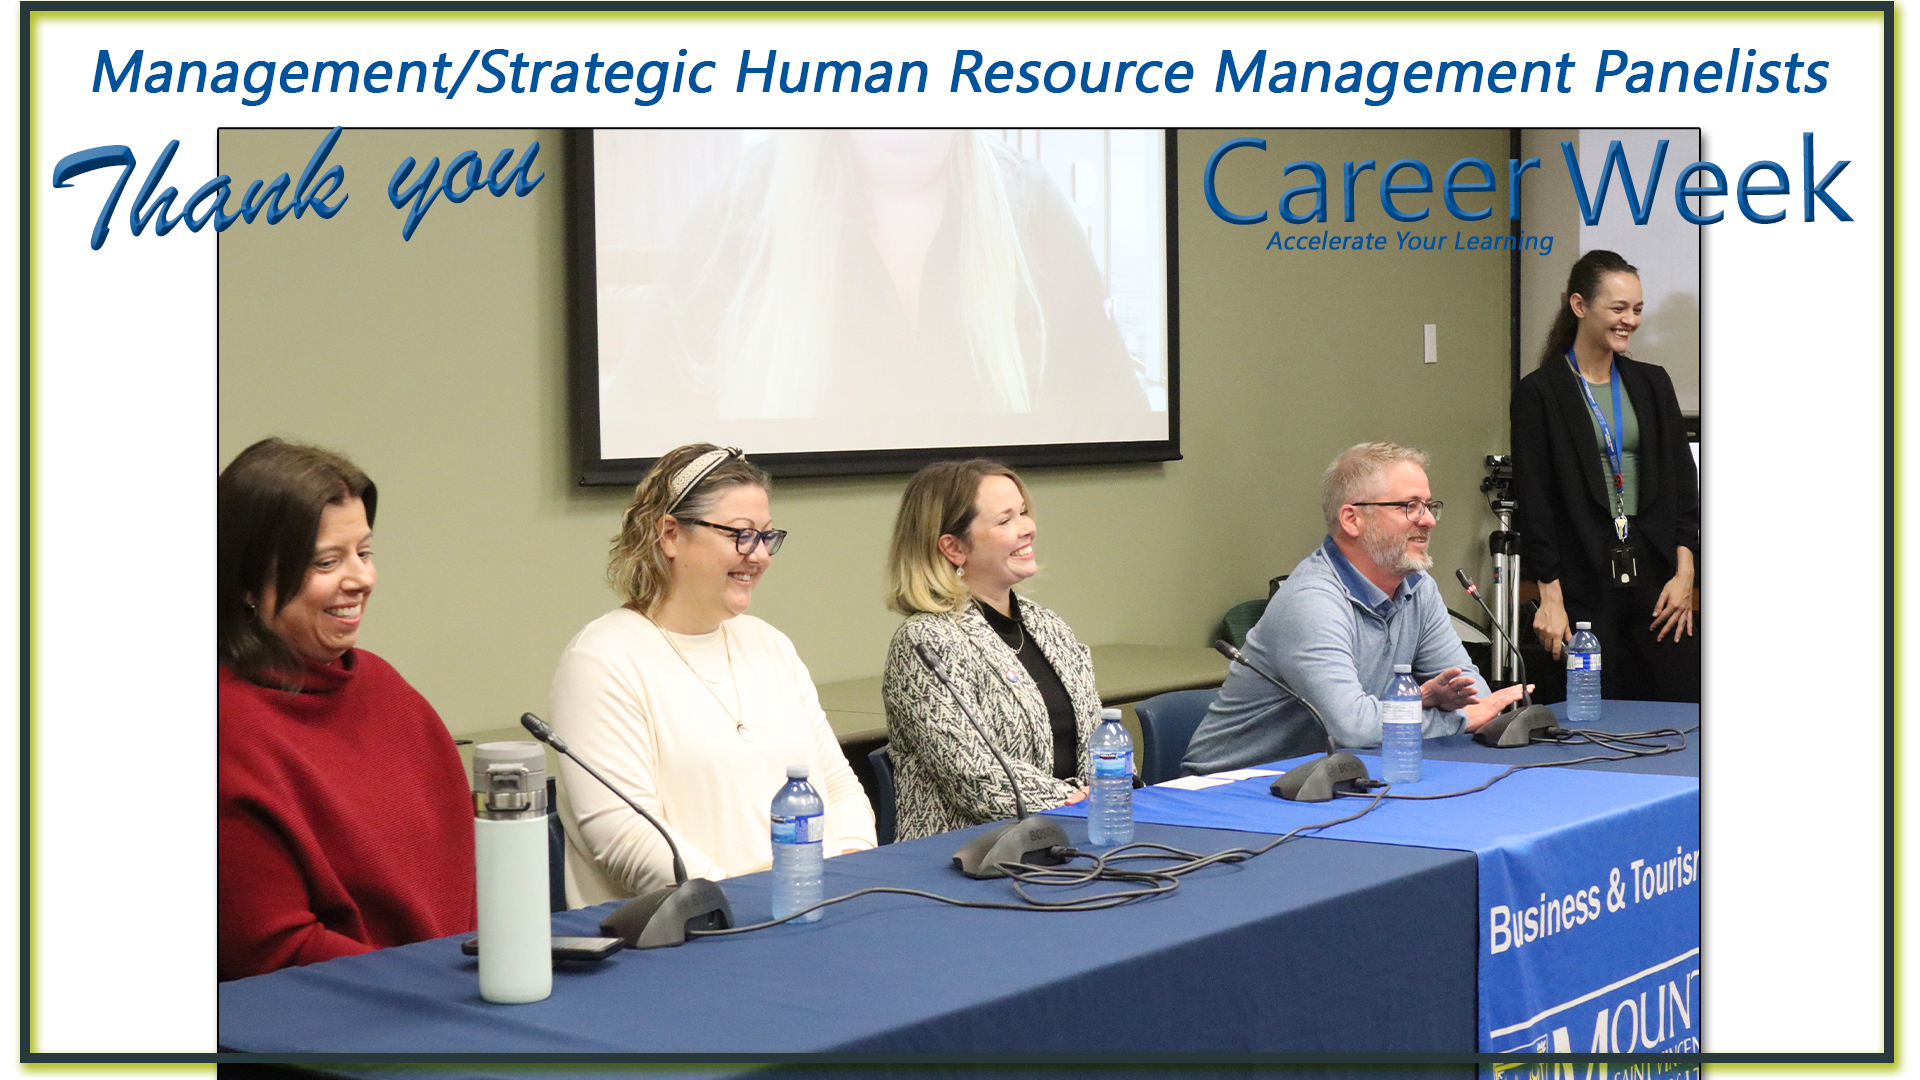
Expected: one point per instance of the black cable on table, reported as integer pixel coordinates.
(1629, 755)
(1153, 882)
(1160, 880)
(1089, 903)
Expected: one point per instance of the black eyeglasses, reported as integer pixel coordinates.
(745, 540)
(1411, 507)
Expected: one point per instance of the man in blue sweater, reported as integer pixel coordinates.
(1361, 603)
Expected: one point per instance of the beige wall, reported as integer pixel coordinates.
(439, 364)
(1547, 208)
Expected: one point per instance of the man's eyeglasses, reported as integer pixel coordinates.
(745, 540)
(1412, 508)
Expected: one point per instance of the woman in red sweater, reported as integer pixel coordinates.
(345, 819)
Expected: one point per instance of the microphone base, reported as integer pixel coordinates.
(661, 918)
(1318, 780)
(1029, 840)
(1516, 726)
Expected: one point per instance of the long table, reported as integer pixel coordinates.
(1618, 717)
(1320, 946)
(1588, 876)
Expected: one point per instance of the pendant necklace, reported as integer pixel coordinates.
(740, 727)
(1013, 670)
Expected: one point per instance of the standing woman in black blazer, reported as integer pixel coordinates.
(1606, 490)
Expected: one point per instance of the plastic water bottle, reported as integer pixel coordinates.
(510, 871)
(1583, 676)
(799, 822)
(1110, 805)
(1400, 719)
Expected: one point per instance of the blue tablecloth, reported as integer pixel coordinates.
(1514, 813)
(1317, 947)
(1616, 716)
(1588, 878)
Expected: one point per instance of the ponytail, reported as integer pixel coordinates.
(1583, 281)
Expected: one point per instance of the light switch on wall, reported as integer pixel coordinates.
(1432, 344)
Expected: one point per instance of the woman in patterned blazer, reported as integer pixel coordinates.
(963, 540)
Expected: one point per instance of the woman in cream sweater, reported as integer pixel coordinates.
(692, 707)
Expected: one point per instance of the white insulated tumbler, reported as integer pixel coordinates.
(510, 854)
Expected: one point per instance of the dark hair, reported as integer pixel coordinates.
(270, 500)
(1584, 281)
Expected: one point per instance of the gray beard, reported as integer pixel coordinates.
(1391, 553)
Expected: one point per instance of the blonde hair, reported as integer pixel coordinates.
(636, 567)
(1355, 472)
(940, 500)
(775, 349)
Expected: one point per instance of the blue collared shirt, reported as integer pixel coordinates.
(1334, 637)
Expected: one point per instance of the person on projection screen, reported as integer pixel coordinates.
(863, 274)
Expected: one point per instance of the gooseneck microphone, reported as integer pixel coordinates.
(1022, 840)
(663, 916)
(1320, 779)
(1225, 648)
(1515, 725)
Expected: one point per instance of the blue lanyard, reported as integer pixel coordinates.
(1614, 451)
(1606, 432)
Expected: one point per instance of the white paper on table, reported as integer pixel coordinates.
(1193, 783)
(1245, 774)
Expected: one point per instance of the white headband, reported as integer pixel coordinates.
(695, 471)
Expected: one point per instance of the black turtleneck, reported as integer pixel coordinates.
(1066, 757)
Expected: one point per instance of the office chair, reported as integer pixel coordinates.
(1166, 726)
(1239, 619)
(882, 763)
(556, 851)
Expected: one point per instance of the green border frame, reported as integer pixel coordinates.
(29, 243)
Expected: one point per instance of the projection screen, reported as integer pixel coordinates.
(859, 301)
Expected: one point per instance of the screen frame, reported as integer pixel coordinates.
(591, 468)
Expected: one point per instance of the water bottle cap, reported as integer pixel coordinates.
(498, 766)
(1109, 714)
(796, 772)
(1583, 626)
(1403, 669)
(509, 780)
